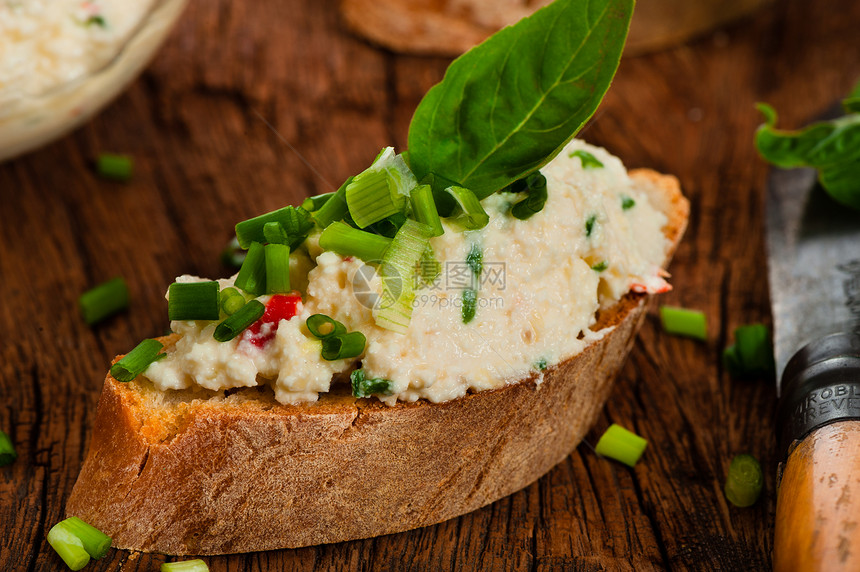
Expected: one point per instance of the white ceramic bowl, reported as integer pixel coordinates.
(30, 120)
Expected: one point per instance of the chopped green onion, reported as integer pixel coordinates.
(233, 255)
(236, 324)
(195, 565)
(684, 322)
(297, 223)
(231, 300)
(312, 204)
(104, 300)
(535, 186)
(319, 322)
(347, 241)
(364, 387)
(388, 226)
(97, 20)
(398, 273)
(116, 167)
(470, 304)
(334, 209)
(343, 346)
(541, 364)
(424, 208)
(137, 360)
(193, 301)
(752, 354)
(475, 260)
(600, 266)
(469, 214)
(588, 160)
(589, 224)
(275, 233)
(744, 481)
(627, 203)
(252, 275)
(94, 541)
(622, 445)
(277, 268)
(380, 190)
(69, 547)
(7, 450)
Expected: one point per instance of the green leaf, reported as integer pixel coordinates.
(506, 107)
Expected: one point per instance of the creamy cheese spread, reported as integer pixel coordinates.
(61, 60)
(542, 283)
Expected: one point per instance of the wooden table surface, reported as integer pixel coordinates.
(196, 124)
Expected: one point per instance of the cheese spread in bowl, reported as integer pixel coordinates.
(62, 60)
(536, 292)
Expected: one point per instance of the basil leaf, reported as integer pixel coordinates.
(508, 106)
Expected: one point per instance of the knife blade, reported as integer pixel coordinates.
(813, 246)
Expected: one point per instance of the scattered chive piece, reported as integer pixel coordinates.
(7, 450)
(277, 268)
(312, 204)
(347, 241)
(622, 445)
(115, 167)
(195, 565)
(380, 190)
(541, 364)
(104, 300)
(317, 323)
(470, 304)
(589, 161)
(252, 275)
(137, 360)
(394, 311)
(343, 346)
(94, 541)
(475, 260)
(600, 266)
(752, 354)
(334, 209)
(233, 255)
(193, 301)
(97, 20)
(231, 300)
(744, 481)
(424, 208)
(236, 324)
(363, 387)
(684, 322)
(589, 224)
(69, 547)
(468, 214)
(296, 221)
(627, 203)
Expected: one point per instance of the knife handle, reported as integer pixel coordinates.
(818, 503)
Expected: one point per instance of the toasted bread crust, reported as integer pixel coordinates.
(194, 474)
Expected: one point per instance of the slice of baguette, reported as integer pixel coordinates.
(186, 472)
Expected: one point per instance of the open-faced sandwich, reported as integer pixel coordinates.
(433, 336)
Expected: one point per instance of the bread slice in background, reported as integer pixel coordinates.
(192, 472)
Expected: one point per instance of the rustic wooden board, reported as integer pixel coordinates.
(196, 123)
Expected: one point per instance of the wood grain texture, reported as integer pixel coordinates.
(206, 159)
(817, 505)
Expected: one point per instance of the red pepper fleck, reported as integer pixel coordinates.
(280, 307)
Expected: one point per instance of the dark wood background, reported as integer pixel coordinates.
(196, 124)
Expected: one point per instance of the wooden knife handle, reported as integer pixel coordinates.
(818, 503)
